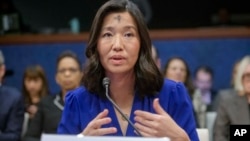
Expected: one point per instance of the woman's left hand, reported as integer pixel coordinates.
(159, 124)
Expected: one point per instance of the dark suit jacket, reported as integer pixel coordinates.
(211, 106)
(232, 109)
(11, 114)
(46, 119)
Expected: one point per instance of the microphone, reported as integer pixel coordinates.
(106, 82)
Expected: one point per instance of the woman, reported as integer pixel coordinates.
(177, 69)
(120, 48)
(35, 87)
(68, 77)
(233, 109)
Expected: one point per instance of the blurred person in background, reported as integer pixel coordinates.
(234, 108)
(35, 87)
(204, 95)
(68, 77)
(177, 69)
(11, 109)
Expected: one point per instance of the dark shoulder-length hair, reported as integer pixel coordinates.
(149, 79)
(188, 80)
(35, 72)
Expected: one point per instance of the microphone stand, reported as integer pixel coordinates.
(119, 110)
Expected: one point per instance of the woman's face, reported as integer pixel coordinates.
(176, 71)
(246, 80)
(118, 43)
(33, 85)
(68, 74)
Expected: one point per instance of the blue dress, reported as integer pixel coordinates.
(81, 107)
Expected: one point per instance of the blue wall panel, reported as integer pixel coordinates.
(220, 54)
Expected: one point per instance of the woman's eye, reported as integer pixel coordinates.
(129, 35)
(107, 35)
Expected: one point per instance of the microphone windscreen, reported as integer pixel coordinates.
(105, 81)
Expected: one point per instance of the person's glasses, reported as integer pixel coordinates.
(64, 70)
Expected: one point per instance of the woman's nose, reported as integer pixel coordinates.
(117, 45)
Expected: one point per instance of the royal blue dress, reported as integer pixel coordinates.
(81, 107)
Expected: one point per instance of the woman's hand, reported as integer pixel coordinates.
(94, 127)
(159, 124)
(32, 109)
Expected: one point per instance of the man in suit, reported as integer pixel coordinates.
(204, 95)
(11, 109)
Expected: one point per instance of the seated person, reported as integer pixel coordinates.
(35, 87)
(177, 69)
(11, 109)
(68, 77)
(234, 108)
(204, 96)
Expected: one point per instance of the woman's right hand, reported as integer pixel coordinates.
(32, 109)
(94, 127)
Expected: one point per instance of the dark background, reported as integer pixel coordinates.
(56, 14)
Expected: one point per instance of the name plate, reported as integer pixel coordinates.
(59, 137)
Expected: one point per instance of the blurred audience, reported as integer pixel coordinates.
(204, 95)
(234, 108)
(11, 109)
(68, 77)
(155, 55)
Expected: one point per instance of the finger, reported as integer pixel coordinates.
(99, 122)
(146, 115)
(105, 131)
(157, 107)
(147, 123)
(143, 134)
(144, 129)
(103, 114)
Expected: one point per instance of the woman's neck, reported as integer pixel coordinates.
(64, 92)
(122, 89)
(35, 99)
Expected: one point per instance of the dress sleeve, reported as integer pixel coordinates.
(70, 120)
(181, 110)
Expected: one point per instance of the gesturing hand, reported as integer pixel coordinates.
(159, 124)
(94, 127)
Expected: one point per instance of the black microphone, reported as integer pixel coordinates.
(106, 82)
